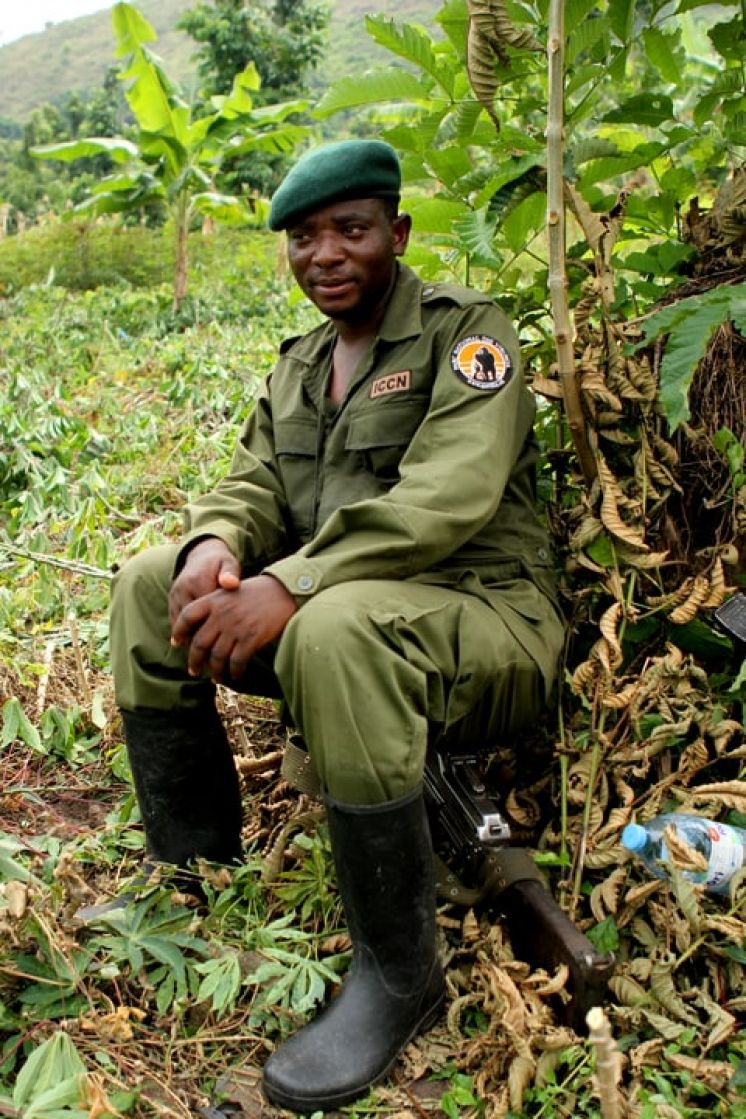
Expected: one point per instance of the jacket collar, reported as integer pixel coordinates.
(402, 319)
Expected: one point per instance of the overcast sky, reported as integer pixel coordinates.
(24, 17)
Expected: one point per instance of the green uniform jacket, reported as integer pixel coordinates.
(423, 471)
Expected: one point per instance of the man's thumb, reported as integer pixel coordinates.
(229, 575)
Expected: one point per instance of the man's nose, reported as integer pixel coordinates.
(328, 249)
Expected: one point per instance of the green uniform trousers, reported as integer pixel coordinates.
(369, 669)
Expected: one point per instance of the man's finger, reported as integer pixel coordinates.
(240, 657)
(188, 620)
(201, 648)
(217, 661)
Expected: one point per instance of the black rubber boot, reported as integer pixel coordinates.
(395, 986)
(186, 785)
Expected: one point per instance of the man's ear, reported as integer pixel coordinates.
(402, 227)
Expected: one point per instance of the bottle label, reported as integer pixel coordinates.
(726, 855)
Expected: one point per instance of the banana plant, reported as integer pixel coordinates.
(176, 151)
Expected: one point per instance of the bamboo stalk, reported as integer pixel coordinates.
(563, 333)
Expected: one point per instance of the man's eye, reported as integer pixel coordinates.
(354, 230)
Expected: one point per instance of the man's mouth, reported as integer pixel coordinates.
(331, 285)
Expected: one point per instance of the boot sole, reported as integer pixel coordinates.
(304, 1106)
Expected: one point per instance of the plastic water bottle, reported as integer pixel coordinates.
(723, 846)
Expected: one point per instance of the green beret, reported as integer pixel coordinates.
(333, 173)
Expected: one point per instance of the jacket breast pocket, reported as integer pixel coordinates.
(381, 434)
(295, 447)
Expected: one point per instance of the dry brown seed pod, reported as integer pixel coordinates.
(689, 609)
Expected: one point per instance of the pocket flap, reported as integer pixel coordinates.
(386, 425)
(295, 437)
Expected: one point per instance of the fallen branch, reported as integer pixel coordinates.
(55, 561)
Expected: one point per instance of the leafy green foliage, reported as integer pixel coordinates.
(175, 155)
(460, 1095)
(148, 940)
(615, 136)
(689, 324)
(51, 1079)
(284, 41)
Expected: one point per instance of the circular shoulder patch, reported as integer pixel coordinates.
(481, 362)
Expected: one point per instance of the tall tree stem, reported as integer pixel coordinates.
(181, 273)
(563, 334)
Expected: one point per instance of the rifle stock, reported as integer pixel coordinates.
(476, 866)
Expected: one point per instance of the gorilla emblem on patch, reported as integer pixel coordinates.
(481, 362)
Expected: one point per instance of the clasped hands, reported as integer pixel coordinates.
(223, 619)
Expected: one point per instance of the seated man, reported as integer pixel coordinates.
(375, 558)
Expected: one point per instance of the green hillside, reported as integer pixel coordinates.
(75, 54)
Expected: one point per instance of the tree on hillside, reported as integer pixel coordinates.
(284, 40)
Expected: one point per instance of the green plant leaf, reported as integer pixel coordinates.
(686, 346)
(701, 639)
(649, 109)
(53, 1063)
(659, 47)
(584, 36)
(436, 215)
(18, 726)
(59, 1102)
(412, 44)
(151, 102)
(453, 17)
(224, 207)
(119, 149)
(10, 868)
(601, 550)
(376, 87)
(222, 981)
(239, 100)
(130, 28)
(476, 232)
(621, 16)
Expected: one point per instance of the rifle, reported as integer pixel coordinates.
(476, 866)
(730, 619)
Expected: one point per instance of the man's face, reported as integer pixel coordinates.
(343, 257)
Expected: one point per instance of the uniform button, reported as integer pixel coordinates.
(542, 553)
(304, 582)
(427, 291)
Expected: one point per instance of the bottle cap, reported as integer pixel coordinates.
(634, 837)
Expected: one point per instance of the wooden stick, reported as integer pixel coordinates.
(85, 687)
(55, 561)
(41, 691)
(607, 1062)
